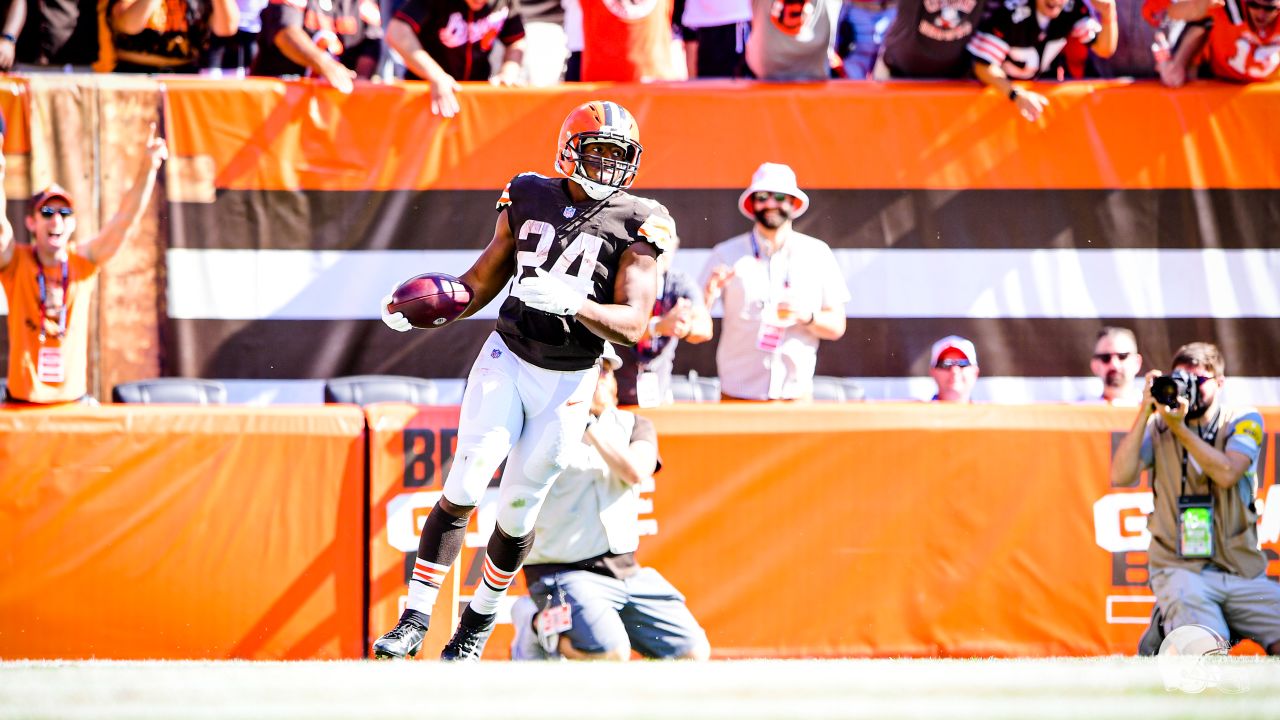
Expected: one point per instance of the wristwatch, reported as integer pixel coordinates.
(1013, 94)
(9, 37)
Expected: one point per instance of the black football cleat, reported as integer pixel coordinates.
(403, 639)
(469, 639)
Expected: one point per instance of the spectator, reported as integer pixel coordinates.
(573, 39)
(50, 287)
(627, 41)
(446, 42)
(167, 36)
(1134, 38)
(336, 40)
(1239, 40)
(1204, 563)
(679, 313)
(860, 32)
(14, 16)
(526, 402)
(593, 600)
(717, 42)
(782, 292)
(546, 46)
(792, 39)
(1116, 363)
(1021, 39)
(928, 39)
(235, 55)
(58, 33)
(953, 363)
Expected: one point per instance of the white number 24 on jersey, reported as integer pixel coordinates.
(585, 246)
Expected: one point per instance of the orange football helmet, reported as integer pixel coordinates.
(599, 121)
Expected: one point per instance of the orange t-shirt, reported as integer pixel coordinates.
(1238, 53)
(627, 40)
(23, 294)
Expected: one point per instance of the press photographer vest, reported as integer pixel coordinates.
(1235, 523)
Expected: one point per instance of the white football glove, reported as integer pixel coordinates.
(396, 321)
(549, 293)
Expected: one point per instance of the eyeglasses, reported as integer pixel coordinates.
(1269, 7)
(1106, 357)
(952, 363)
(1202, 379)
(764, 197)
(51, 211)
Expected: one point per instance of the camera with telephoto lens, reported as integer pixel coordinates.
(1166, 389)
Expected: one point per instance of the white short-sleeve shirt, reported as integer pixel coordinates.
(803, 272)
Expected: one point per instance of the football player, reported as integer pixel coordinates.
(583, 255)
(1022, 39)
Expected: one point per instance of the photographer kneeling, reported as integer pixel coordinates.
(1204, 562)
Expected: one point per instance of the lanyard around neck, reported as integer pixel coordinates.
(44, 297)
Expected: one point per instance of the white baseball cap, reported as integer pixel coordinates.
(953, 342)
(773, 177)
(610, 357)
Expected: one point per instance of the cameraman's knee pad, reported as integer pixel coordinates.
(474, 464)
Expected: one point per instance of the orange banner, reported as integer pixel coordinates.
(133, 532)
(907, 530)
(262, 134)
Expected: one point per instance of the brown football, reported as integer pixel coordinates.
(430, 300)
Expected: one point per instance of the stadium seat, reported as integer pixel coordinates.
(694, 388)
(194, 391)
(365, 389)
(827, 388)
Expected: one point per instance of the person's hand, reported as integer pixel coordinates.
(549, 293)
(507, 76)
(791, 313)
(444, 95)
(7, 53)
(1173, 74)
(157, 148)
(720, 276)
(1174, 417)
(676, 321)
(338, 75)
(1030, 104)
(396, 321)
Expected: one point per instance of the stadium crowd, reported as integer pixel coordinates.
(544, 42)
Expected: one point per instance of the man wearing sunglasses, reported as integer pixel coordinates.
(1116, 363)
(782, 292)
(49, 286)
(1240, 40)
(953, 363)
(1204, 563)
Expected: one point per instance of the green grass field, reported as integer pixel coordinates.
(1129, 688)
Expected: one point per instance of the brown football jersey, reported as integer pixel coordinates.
(582, 244)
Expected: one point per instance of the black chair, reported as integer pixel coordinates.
(827, 388)
(193, 391)
(695, 388)
(365, 389)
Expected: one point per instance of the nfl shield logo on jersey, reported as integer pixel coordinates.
(570, 212)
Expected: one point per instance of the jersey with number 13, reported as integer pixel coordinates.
(580, 243)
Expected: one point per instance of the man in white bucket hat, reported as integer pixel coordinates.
(782, 292)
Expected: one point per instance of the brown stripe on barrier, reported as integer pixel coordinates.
(871, 347)
(904, 219)
(269, 134)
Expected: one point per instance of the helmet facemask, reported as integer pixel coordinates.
(611, 174)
